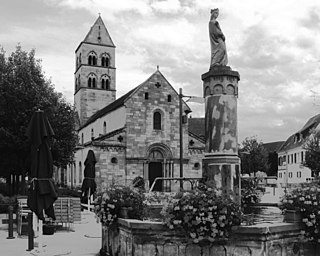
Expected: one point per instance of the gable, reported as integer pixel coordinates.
(157, 89)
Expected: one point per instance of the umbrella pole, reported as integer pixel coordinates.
(37, 228)
(35, 225)
(89, 199)
(40, 238)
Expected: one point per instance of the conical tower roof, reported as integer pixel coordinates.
(99, 34)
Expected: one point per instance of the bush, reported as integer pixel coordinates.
(249, 194)
(69, 192)
(109, 203)
(5, 201)
(306, 200)
(202, 214)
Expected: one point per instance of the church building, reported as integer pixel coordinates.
(134, 135)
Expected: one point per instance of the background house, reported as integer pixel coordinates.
(291, 155)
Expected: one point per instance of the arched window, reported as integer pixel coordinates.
(80, 59)
(169, 98)
(82, 139)
(104, 127)
(157, 121)
(105, 84)
(76, 84)
(105, 60)
(92, 134)
(79, 81)
(92, 59)
(92, 81)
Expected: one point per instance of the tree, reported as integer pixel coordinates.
(254, 157)
(23, 90)
(312, 147)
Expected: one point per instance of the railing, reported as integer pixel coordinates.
(194, 182)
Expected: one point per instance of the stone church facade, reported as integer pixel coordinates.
(134, 135)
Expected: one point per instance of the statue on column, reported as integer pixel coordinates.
(217, 41)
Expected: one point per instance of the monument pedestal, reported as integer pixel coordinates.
(221, 164)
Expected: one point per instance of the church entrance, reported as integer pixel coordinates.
(155, 171)
(160, 165)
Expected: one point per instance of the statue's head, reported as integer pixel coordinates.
(214, 13)
(214, 10)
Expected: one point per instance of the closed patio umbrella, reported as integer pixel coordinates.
(42, 193)
(89, 185)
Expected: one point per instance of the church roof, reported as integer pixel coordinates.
(98, 34)
(156, 76)
(112, 106)
(197, 126)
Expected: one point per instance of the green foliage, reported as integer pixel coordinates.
(108, 204)
(305, 199)
(5, 201)
(69, 192)
(249, 194)
(254, 157)
(23, 90)
(312, 147)
(202, 215)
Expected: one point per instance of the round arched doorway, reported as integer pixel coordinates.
(160, 165)
(155, 169)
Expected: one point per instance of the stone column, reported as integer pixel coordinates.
(221, 164)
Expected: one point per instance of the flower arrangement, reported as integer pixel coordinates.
(249, 194)
(202, 214)
(158, 198)
(306, 200)
(108, 204)
(293, 200)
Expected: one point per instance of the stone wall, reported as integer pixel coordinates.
(142, 238)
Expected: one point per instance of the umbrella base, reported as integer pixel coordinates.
(48, 229)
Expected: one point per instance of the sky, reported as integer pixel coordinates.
(273, 44)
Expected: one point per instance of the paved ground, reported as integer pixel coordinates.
(84, 240)
(272, 195)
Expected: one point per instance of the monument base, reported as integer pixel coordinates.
(223, 172)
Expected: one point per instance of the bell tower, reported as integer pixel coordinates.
(95, 72)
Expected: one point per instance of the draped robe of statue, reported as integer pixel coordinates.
(217, 43)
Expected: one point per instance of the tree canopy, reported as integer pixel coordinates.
(312, 147)
(23, 90)
(254, 157)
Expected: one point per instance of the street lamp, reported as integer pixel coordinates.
(180, 131)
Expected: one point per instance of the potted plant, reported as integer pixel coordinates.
(250, 195)
(119, 201)
(202, 214)
(291, 205)
(305, 200)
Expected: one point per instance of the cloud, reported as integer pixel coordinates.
(312, 19)
(273, 44)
